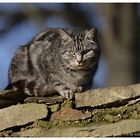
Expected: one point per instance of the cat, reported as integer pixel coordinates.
(56, 61)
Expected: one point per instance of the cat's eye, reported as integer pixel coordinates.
(71, 52)
(93, 42)
(87, 51)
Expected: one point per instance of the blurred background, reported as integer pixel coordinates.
(118, 29)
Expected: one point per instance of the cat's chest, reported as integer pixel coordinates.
(81, 77)
(78, 75)
(72, 78)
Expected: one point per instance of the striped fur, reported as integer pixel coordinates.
(56, 61)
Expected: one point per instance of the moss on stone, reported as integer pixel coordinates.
(55, 107)
(116, 114)
(68, 103)
(42, 124)
(78, 123)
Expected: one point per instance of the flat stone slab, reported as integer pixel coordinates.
(45, 100)
(117, 129)
(97, 97)
(125, 127)
(21, 114)
(69, 114)
(34, 132)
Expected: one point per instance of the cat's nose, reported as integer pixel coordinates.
(79, 58)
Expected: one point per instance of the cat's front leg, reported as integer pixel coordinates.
(64, 91)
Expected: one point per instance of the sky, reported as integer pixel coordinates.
(22, 34)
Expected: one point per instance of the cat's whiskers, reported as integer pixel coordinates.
(68, 67)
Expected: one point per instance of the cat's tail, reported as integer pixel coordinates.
(15, 86)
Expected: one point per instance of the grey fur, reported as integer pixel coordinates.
(56, 61)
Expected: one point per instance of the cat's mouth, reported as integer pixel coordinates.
(78, 67)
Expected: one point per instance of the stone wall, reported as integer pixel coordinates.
(113, 111)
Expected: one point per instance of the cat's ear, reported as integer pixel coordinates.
(91, 35)
(64, 36)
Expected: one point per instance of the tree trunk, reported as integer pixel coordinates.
(119, 42)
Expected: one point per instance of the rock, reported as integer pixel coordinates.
(68, 103)
(136, 89)
(54, 107)
(106, 117)
(95, 97)
(117, 129)
(98, 97)
(6, 133)
(69, 114)
(45, 100)
(34, 132)
(116, 114)
(125, 127)
(21, 114)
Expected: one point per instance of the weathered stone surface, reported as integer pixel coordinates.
(113, 121)
(69, 114)
(117, 129)
(116, 113)
(103, 96)
(92, 98)
(21, 114)
(124, 127)
(136, 89)
(34, 132)
(68, 103)
(45, 100)
(54, 107)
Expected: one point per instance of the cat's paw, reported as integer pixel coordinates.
(67, 94)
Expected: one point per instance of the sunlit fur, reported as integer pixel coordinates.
(56, 61)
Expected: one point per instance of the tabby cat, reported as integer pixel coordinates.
(56, 61)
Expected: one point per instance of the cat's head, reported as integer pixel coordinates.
(79, 49)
